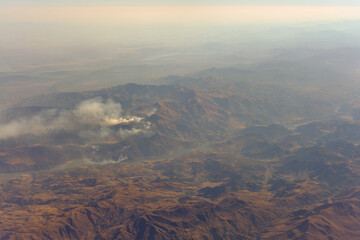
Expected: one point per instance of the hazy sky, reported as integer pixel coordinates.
(176, 14)
(175, 11)
(59, 20)
(58, 35)
(178, 2)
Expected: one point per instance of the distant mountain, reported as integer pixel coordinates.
(200, 159)
(177, 116)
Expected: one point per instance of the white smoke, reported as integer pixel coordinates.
(91, 119)
(145, 129)
(94, 111)
(150, 112)
(37, 124)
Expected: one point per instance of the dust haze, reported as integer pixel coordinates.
(179, 122)
(42, 58)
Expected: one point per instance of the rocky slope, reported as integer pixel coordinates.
(127, 163)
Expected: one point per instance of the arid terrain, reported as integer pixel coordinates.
(200, 157)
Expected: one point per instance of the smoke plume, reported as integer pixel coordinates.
(92, 119)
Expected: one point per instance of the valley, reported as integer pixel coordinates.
(180, 161)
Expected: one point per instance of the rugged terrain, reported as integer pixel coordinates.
(204, 157)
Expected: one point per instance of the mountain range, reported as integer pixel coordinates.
(205, 156)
